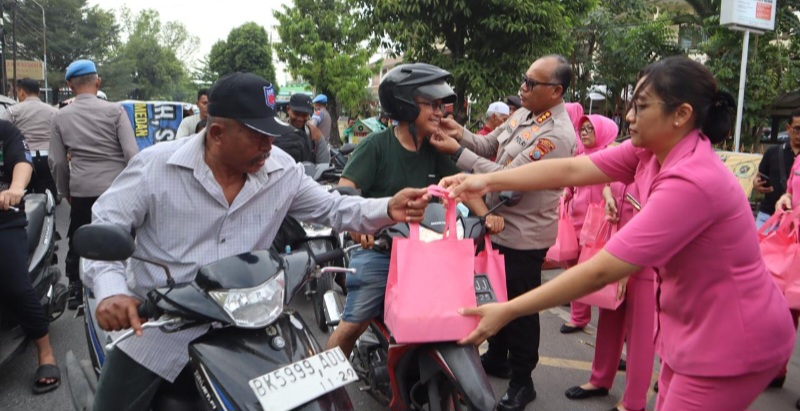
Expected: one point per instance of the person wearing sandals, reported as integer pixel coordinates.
(16, 291)
(723, 329)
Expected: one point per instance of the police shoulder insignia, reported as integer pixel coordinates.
(543, 146)
(541, 119)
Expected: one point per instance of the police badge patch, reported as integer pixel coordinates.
(543, 146)
(269, 96)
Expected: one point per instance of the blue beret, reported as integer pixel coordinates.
(320, 98)
(80, 68)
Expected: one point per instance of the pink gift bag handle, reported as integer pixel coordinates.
(450, 214)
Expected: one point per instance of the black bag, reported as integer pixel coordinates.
(298, 145)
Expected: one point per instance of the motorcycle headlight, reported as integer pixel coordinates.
(253, 307)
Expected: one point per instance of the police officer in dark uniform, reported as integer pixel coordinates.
(16, 291)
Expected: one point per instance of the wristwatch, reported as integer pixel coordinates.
(457, 154)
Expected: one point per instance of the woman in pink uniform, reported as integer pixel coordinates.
(596, 132)
(722, 328)
(632, 322)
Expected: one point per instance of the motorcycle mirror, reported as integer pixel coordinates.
(346, 191)
(510, 198)
(104, 242)
(347, 148)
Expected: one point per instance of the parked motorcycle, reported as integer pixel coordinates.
(340, 156)
(431, 377)
(260, 355)
(40, 210)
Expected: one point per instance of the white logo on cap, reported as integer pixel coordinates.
(269, 96)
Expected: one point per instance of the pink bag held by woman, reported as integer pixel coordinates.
(780, 247)
(566, 248)
(605, 297)
(428, 282)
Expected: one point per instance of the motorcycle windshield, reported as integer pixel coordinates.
(240, 271)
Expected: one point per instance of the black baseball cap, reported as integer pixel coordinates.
(301, 103)
(248, 99)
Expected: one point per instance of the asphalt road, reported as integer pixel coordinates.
(565, 361)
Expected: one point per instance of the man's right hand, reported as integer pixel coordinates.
(367, 241)
(761, 185)
(118, 312)
(451, 128)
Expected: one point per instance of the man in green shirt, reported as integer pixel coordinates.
(383, 164)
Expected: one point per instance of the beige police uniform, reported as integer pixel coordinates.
(522, 139)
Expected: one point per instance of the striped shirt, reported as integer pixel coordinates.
(168, 194)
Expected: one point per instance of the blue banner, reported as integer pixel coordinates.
(153, 121)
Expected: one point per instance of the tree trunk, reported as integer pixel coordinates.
(333, 109)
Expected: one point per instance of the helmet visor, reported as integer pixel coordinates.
(436, 91)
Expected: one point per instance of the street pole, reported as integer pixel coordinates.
(14, 33)
(44, 43)
(740, 106)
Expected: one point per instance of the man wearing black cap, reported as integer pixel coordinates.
(196, 200)
(305, 143)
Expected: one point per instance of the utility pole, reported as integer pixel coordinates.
(14, 30)
(44, 42)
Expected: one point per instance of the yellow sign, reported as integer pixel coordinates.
(743, 166)
(25, 68)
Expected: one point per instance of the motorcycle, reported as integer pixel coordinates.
(431, 377)
(340, 156)
(40, 210)
(259, 355)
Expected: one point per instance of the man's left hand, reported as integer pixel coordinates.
(10, 198)
(316, 134)
(495, 224)
(444, 143)
(408, 205)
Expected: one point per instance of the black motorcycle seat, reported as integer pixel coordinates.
(35, 211)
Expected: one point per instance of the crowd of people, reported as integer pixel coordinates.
(723, 330)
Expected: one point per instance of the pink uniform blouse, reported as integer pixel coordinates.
(718, 311)
(793, 185)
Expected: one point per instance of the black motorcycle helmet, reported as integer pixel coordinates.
(406, 81)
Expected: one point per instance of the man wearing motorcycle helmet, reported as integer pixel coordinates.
(383, 163)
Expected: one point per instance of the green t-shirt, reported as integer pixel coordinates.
(380, 166)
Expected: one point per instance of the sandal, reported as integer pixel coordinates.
(45, 372)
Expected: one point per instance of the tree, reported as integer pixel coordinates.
(322, 43)
(486, 44)
(74, 30)
(146, 67)
(772, 67)
(246, 49)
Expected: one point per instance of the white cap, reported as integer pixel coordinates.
(498, 107)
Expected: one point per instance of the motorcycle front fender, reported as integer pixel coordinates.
(226, 359)
(462, 365)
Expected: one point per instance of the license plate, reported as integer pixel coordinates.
(298, 383)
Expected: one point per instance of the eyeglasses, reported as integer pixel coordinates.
(586, 130)
(434, 105)
(795, 129)
(638, 107)
(531, 83)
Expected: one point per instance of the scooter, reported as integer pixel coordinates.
(40, 210)
(260, 355)
(431, 377)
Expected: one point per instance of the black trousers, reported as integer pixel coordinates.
(80, 214)
(518, 342)
(42, 179)
(16, 291)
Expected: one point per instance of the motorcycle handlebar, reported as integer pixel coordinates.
(327, 256)
(148, 310)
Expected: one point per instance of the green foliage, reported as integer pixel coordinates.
(246, 49)
(773, 66)
(486, 44)
(74, 30)
(146, 67)
(322, 43)
(618, 39)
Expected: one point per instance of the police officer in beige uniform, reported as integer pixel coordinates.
(99, 137)
(33, 117)
(540, 130)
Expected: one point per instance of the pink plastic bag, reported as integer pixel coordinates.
(566, 248)
(491, 263)
(595, 216)
(606, 297)
(428, 283)
(780, 248)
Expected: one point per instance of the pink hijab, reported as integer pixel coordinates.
(605, 131)
(575, 111)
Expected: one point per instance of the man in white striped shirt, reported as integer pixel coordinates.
(197, 200)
